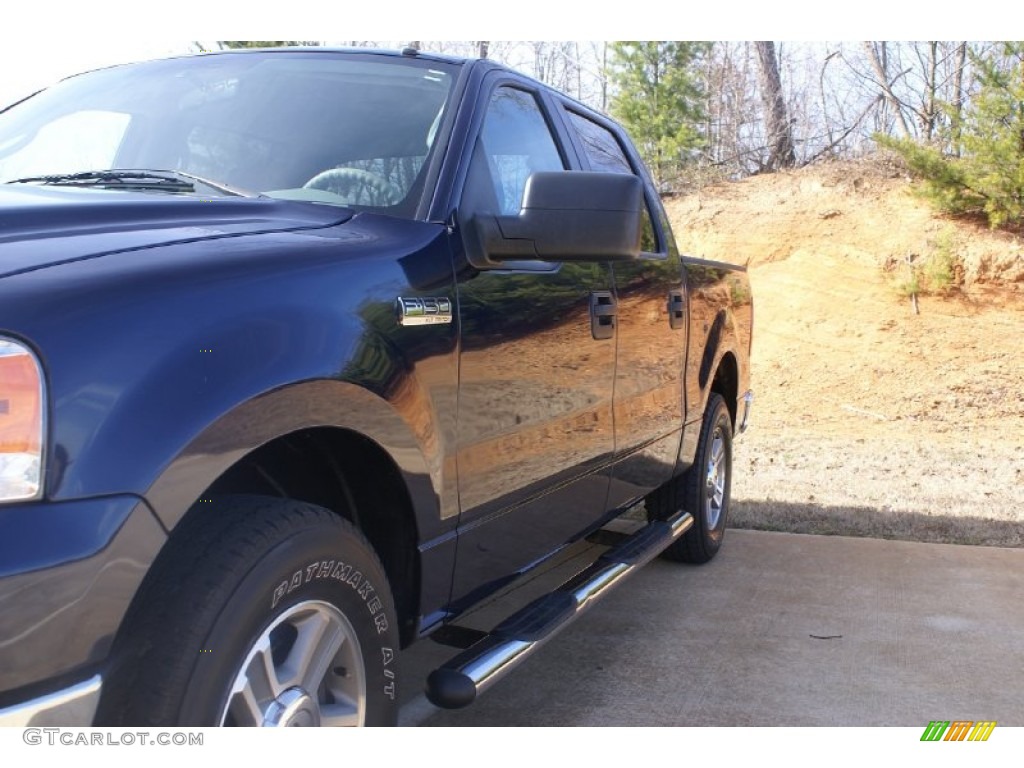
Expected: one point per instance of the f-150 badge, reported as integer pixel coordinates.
(428, 310)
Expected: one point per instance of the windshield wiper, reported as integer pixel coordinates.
(165, 181)
(224, 188)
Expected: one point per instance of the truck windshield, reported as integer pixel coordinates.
(355, 130)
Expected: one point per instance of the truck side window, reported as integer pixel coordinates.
(605, 155)
(515, 141)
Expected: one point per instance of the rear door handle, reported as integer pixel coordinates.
(602, 314)
(676, 310)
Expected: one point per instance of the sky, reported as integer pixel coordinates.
(51, 41)
(25, 67)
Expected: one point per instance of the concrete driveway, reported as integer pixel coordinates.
(779, 630)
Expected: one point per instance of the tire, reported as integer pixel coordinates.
(703, 490)
(260, 611)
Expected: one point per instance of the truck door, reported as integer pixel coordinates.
(651, 327)
(535, 434)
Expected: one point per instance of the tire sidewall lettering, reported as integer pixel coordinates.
(318, 579)
(348, 583)
(335, 570)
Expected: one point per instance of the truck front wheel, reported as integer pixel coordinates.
(263, 612)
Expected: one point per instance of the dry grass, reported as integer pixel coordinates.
(885, 487)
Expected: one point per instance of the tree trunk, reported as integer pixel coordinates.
(881, 68)
(604, 76)
(958, 95)
(779, 130)
(931, 107)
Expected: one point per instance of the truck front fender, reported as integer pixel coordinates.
(305, 405)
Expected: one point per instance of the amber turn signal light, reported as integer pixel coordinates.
(21, 422)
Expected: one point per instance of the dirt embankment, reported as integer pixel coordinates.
(870, 419)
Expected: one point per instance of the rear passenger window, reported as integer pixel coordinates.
(605, 154)
(601, 147)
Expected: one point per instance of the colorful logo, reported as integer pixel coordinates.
(958, 730)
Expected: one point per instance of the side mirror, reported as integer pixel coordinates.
(568, 216)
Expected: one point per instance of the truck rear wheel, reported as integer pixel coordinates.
(703, 490)
(262, 612)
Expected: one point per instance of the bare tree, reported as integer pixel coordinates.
(769, 105)
(879, 60)
(781, 152)
(732, 139)
(604, 76)
(958, 97)
(927, 81)
(928, 114)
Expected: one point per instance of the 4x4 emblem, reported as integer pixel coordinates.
(429, 310)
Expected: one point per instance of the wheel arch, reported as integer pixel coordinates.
(352, 476)
(329, 443)
(307, 405)
(724, 378)
(726, 383)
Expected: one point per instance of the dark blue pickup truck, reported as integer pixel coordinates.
(304, 354)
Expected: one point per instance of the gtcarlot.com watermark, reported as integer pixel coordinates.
(90, 737)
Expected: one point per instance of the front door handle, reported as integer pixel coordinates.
(676, 310)
(602, 314)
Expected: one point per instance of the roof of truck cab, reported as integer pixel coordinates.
(404, 53)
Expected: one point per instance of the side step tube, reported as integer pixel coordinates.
(458, 682)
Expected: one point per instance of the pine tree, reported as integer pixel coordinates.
(988, 179)
(659, 99)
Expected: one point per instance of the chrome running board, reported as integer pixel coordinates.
(459, 681)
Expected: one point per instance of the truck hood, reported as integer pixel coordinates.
(46, 226)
